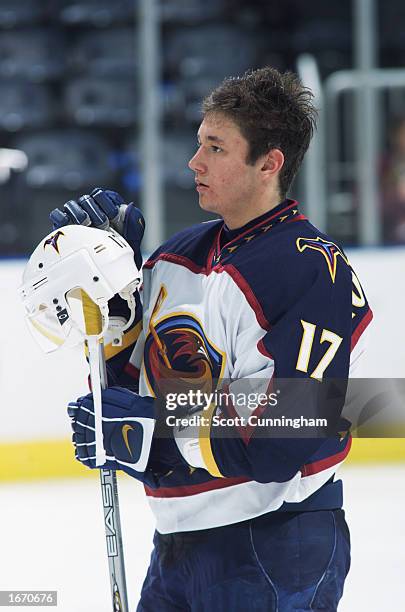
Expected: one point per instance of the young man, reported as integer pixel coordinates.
(246, 519)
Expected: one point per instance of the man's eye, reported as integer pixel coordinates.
(215, 149)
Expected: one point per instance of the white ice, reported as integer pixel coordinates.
(52, 538)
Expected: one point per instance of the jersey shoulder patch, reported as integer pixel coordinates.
(326, 248)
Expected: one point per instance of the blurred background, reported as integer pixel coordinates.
(95, 92)
(108, 93)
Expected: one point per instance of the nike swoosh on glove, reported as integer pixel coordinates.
(128, 423)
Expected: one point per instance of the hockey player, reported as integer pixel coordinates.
(245, 519)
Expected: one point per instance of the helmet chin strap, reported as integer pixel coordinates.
(127, 295)
(131, 305)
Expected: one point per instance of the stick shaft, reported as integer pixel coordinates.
(112, 521)
(108, 478)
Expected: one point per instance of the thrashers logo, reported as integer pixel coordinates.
(53, 241)
(178, 356)
(328, 249)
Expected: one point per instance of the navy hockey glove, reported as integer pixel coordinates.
(128, 423)
(104, 208)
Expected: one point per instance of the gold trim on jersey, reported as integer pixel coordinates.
(204, 436)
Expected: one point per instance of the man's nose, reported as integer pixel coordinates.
(197, 164)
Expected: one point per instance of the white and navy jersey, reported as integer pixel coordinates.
(275, 299)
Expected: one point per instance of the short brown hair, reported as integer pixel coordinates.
(273, 110)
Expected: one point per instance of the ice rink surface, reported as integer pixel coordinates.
(52, 537)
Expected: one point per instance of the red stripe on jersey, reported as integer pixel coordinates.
(263, 350)
(366, 320)
(177, 259)
(132, 371)
(297, 218)
(323, 464)
(237, 277)
(193, 267)
(185, 491)
(244, 286)
(211, 252)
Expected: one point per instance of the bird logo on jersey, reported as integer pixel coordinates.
(178, 356)
(328, 249)
(53, 241)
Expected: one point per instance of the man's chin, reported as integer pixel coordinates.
(207, 205)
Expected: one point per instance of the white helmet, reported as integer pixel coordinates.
(69, 260)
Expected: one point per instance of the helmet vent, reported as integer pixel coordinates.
(120, 244)
(40, 283)
(99, 248)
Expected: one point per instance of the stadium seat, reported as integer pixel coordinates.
(172, 101)
(99, 13)
(194, 90)
(329, 41)
(25, 105)
(191, 11)
(105, 53)
(33, 54)
(23, 12)
(330, 12)
(321, 34)
(210, 51)
(12, 232)
(98, 102)
(65, 159)
(176, 149)
(178, 146)
(391, 15)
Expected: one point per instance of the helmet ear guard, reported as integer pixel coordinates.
(66, 263)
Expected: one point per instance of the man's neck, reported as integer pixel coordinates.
(236, 221)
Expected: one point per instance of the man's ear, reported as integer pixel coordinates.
(272, 163)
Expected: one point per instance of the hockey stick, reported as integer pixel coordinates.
(108, 478)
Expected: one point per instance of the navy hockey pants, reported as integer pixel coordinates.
(279, 562)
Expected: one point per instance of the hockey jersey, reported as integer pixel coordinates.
(275, 299)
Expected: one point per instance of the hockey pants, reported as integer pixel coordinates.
(279, 562)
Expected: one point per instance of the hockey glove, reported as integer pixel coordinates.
(104, 208)
(128, 423)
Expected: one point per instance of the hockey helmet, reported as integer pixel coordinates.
(67, 262)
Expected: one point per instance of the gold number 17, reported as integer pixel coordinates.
(307, 341)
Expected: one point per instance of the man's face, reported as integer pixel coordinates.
(226, 184)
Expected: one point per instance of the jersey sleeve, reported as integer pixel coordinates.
(301, 344)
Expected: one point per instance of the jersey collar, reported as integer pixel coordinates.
(227, 240)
